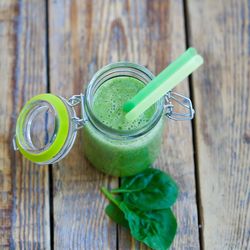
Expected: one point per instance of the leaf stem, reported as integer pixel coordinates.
(110, 196)
(117, 190)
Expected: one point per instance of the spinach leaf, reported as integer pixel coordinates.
(116, 214)
(151, 189)
(155, 228)
(137, 182)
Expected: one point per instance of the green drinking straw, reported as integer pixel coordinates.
(163, 83)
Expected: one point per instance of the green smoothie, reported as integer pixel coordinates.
(124, 156)
(110, 98)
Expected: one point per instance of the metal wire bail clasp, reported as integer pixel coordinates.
(74, 101)
(183, 101)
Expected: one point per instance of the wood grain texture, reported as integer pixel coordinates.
(84, 36)
(155, 35)
(80, 44)
(24, 203)
(220, 31)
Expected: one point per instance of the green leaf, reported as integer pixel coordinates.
(155, 228)
(116, 215)
(137, 182)
(152, 189)
(143, 203)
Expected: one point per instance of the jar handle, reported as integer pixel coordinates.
(74, 101)
(181, 100)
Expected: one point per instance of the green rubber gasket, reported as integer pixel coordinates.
(62, 133)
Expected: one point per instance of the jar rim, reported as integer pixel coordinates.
(116, 133)
(59, 136)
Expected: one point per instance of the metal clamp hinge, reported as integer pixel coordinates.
(15, 147)
(183, 101)
(74, 101)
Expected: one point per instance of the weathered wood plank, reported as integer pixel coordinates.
(154, 35)
(84, 36)
(24, 197)
(81, 42)
(220, 31)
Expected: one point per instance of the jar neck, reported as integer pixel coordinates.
(117, 70)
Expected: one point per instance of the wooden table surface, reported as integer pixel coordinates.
(56, 46)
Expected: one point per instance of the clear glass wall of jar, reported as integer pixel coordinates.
(116, 152)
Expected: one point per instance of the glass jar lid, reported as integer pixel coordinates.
(42, 128)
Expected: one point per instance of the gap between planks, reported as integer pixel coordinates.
(194, 132)
(51, 202)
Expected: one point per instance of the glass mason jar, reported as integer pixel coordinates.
(47, 126)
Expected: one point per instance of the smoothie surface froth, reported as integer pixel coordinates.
(110, 98)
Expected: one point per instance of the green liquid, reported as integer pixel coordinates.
(110, 98)
(123, 156)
